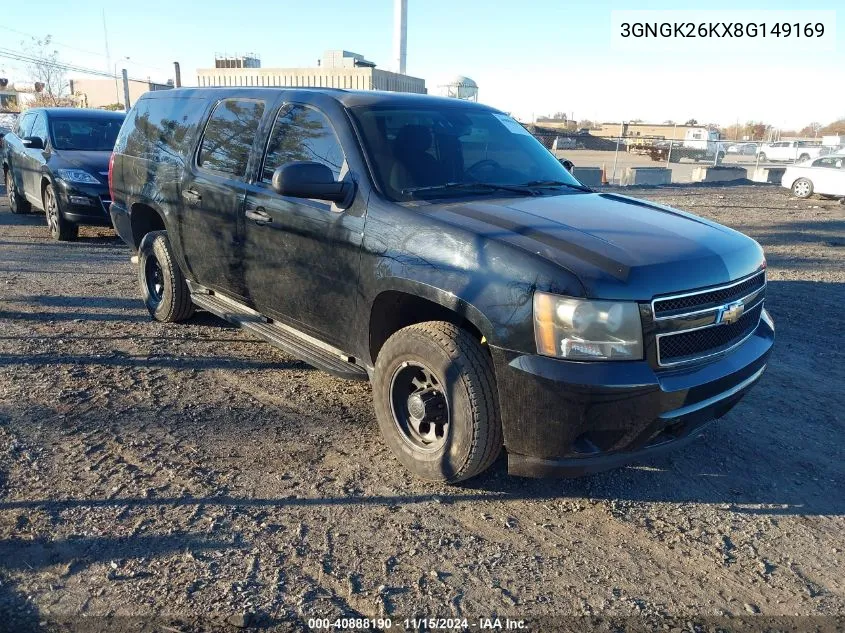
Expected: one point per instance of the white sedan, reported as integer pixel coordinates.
(824, 176)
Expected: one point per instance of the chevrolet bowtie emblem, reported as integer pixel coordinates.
(730, 312)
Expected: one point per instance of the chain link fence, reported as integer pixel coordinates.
(676, 154)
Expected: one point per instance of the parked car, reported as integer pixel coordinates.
(791, 151)
(824, 176)
(743, 149)
(437, 249)
(56, 160)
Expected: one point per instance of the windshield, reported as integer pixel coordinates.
(84, 134)
(435, 151)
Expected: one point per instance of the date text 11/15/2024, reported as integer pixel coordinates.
(415, 624)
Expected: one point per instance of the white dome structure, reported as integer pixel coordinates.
(460, 87)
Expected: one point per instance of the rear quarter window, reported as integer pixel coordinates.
(161, 130)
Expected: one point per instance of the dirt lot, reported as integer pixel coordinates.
(192, 474)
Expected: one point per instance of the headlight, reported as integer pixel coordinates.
(77, 175)
(587, 330)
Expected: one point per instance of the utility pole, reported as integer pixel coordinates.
(126, 90)
(178, 71)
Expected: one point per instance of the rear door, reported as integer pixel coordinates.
(213, 192)
(302, 255)
(16, 152)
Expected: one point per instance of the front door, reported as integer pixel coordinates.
(35, 160)
(212, 195)
(302, 255)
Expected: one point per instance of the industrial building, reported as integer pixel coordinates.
(97, 93)
(336, 69)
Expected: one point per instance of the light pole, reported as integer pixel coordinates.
(116, 83)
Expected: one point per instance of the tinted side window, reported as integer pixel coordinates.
(302, 133)
(39, 128)
(160, 130)
(229, 136)
(833, 162)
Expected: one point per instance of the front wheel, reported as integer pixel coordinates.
(60, 229)
(434, 392)
(163, 285)
(802, 188)
(803, 157)
(17, 203)
(761, 157)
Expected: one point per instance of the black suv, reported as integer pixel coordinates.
(56, 159)
(434, 247)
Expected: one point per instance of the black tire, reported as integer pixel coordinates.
(802, 188)
(803, 157)
(762, 157)
(463, 378)
(720, 157)
(163, 285)
(17, 203)
(61, 229)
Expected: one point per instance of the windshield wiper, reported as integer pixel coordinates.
(554, 183)
(520, 189)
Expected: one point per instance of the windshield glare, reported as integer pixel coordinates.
(428, 147)
(84, 135)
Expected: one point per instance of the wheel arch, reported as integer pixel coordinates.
(145, 218)
(407, 303)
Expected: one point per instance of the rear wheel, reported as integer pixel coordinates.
(163, 285)
(435, 397)
(60, 229)
(802, 188)
(803, 157)
(17, 203)
(762, 156)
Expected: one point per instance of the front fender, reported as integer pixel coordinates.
(439, 296)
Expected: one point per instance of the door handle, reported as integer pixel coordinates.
(259, 216)
(191, 196)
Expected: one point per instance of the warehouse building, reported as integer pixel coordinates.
(337, 69)
(98, 93)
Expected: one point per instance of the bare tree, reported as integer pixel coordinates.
(47, 72)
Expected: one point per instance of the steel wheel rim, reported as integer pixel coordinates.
(420, 407)
(154, 276)
(801, 188)
(52, 212)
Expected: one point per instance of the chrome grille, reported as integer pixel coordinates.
(708, 340)
(693, 326)
(708, 298)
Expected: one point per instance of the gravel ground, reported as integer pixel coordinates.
(196, 476)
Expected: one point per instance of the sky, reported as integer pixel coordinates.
(530, 58)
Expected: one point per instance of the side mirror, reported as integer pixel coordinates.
(33, 142)
(308, 179)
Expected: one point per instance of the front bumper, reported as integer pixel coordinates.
(572, 418)
(84, 204)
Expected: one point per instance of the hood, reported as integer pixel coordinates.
(619, 247)
(95, 163)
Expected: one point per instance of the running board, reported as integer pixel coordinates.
(306, 348)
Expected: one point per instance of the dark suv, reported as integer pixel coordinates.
(56, 159)
(434, 247)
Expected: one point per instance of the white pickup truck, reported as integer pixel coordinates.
(791, 151)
